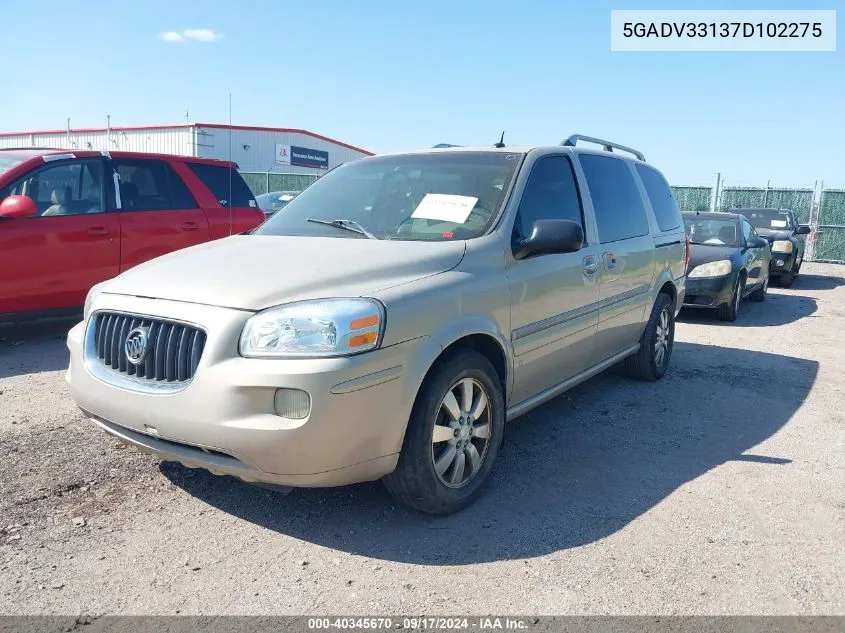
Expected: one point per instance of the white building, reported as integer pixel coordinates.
(259, 149)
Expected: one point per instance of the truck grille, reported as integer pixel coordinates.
(171, 354)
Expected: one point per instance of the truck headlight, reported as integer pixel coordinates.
(90, 298)
(323, 327)
(718, 268)
(781, 246)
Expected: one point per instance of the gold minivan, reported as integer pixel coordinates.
(391, 319)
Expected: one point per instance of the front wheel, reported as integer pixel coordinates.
(656, 343)
(453, 436)
(760, 293)
(728, 311)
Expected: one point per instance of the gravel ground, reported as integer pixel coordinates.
(718, 490)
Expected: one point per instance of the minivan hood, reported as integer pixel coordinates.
(253, 272)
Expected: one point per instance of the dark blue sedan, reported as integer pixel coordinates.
(729, 262)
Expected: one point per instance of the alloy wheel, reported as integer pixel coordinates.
(461, 434)
(663, 336)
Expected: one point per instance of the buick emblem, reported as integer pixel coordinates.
(135, 345)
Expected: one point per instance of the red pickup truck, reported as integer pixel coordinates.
(70, 219)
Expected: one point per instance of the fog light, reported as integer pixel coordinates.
(292, 403)
(778, 262)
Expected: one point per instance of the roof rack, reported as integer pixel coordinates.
(442, 145)
(608, 146)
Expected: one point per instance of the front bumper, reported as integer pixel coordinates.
(225, 420)
(782, 262)
(709, 293)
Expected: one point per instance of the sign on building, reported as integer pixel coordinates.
(301, 156)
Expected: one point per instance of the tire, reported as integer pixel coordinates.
(728, 311)
(786, 279)
(417, 482)
(647, 363)
(760, 293)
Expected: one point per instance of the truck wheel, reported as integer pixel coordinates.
(760, 293)
(786, 279)
(453, 436)
(652, 359)
(728, 311)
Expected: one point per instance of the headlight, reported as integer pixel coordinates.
(781, 246)
(712, 269)
(325, 327)
(90, 298)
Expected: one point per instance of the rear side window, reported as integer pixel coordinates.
(550, 194)
(225, 183)
(151, 185)
(662, 199)
(620, 213)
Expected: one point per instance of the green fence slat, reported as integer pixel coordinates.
(832, 207)
(692, 198)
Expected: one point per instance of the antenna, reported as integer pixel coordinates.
(229, 201)
(501, 142)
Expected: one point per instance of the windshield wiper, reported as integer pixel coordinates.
(348, 225)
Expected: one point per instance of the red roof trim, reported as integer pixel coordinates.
(170, 126)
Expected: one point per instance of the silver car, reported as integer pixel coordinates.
(391, 320)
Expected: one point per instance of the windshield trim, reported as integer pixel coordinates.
(492, 226)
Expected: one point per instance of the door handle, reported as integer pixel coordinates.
(591, 265)
(190, 226)
(98, 231)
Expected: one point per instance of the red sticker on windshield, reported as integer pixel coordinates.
(448, 234)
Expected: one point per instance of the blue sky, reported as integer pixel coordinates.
(387, 75)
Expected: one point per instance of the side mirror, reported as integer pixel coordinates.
(803, 229)
(757, 242)
(549, 237)
(18, 207)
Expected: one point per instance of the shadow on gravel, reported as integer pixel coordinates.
(817, 282)
(777, 309)
(571, 472)
(30, 349)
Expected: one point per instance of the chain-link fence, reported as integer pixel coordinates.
(826, 216)
(265, 182)
(829, 227)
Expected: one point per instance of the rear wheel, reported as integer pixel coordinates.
(760, 293)
(656, 343)
(728, 311)
(453, 436)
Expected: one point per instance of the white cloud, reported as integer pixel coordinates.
(201, 35)
(171, 36)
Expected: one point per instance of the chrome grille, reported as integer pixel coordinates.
(173, 349)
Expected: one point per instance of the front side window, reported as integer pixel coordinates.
(151, 185)
(619, 209)
(434, 196)
(662, 199)
(747, 231)
(551, 193)
(713, 231)
(64, 188)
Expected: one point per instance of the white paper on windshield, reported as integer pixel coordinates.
(445, 207)
(778, 224)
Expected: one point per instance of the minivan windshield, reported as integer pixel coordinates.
(768, 218)
(422, 197)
